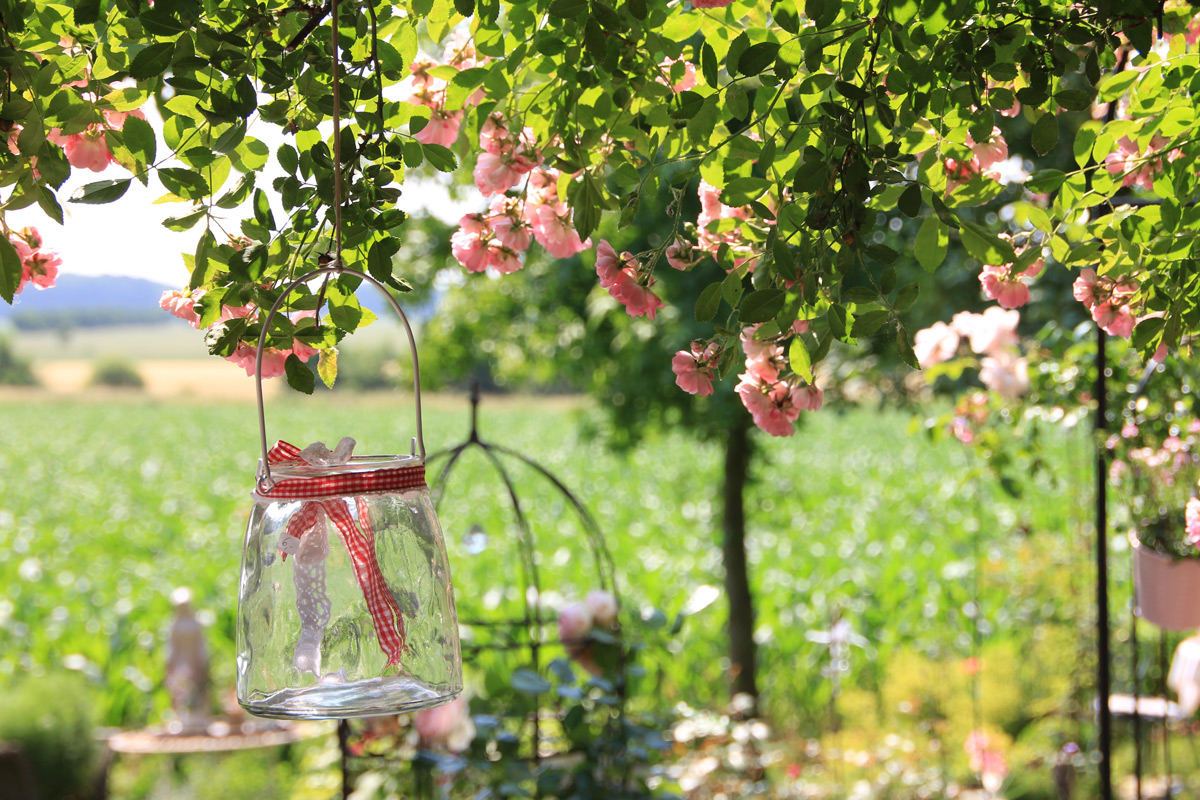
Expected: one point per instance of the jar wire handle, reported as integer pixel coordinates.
(265, 481)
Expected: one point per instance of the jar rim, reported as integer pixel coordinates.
(357, 464)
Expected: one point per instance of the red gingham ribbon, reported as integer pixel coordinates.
(360, 543)
(399, 479)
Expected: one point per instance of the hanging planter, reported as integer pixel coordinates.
(1166, 590)
(345, 606)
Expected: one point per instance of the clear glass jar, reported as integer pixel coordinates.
(345, 606)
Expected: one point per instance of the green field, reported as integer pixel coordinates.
(105, 507)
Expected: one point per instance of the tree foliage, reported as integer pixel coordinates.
(807, 124)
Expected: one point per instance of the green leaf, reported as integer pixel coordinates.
(139, 139)
(183, 183)
(10, 270)
(906, 296)
(100, 191)
(466, 8)
(708, 65)
(910, 201)
(761, 305)
(932, 240)
(986, 246)
(1148, 333)
(1045, 180)
(731, 288)
(1045, 134)
(262, 210)
(327, 366)
(800, 360)
(1074, 99)
(588, 203)
(152, 61)
(299, 376)
(905, 349)
(757, 58)
(709, 302)
(525, 681)
(442, 158)
(185, 222)
(86, 12)
(739, 45)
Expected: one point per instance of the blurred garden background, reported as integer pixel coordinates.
(919, 556)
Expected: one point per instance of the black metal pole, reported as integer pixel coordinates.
(1103, 658)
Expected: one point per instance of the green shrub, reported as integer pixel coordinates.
(51, 717)
(116, 373)
(14, 371)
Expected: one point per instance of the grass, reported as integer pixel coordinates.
(107, 506)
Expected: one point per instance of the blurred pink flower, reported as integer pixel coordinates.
(1192, 516)
(935, 344)
(448, 725)
(988, 153)
(603, 608)
(574, 623)
(1005, 374)
(992, 330)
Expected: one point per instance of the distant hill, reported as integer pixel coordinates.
(83, 301)
(88, 302)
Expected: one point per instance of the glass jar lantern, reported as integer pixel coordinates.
(345, 605)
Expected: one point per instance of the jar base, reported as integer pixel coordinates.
(397, 694)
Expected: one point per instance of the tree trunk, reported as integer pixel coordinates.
(737, 579)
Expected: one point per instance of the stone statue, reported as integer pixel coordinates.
(187, 666)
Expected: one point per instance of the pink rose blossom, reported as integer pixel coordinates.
(990, 152)
(442, 127)
(88, 150)
(553, 230)
(609, 264)
(181, 304)
(503, 259)
(42, 268)
(493, 135)
(116, 119)
(460, 51)
(807, 398)
(543, 186)
(1114, 320)
(468, 244)
(508, 224)
(959, 172)
(694, 369)
(639, 299)
(1001, 285)
(1084, 287)
(494, 173)
(680, 254)
(686, 81)
(935, 344)
(764, 359)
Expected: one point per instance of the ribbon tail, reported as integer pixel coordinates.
(385, 612)
(307, 518)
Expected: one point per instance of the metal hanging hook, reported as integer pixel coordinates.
(265, 481)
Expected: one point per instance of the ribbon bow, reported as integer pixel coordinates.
(328, 497)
